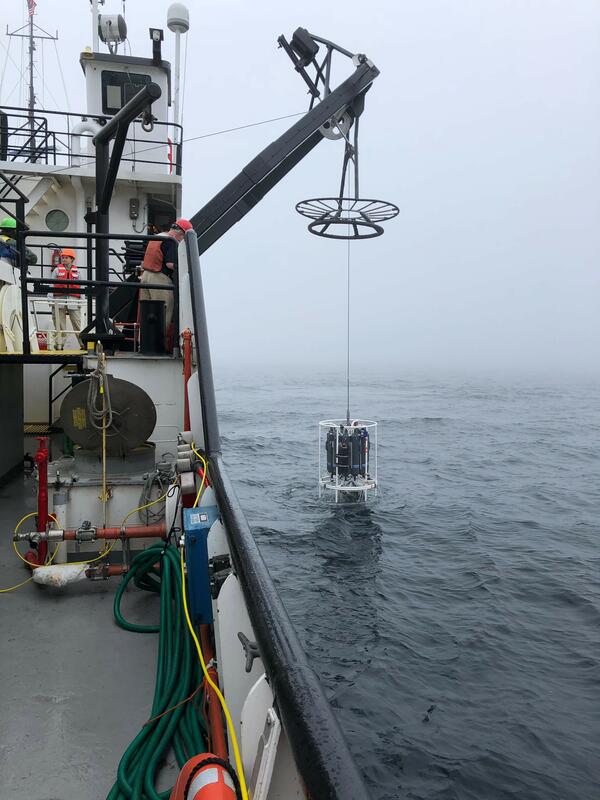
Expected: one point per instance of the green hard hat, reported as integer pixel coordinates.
(8, 222)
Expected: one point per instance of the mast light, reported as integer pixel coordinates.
(112, 29)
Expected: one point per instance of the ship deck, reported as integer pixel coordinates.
(74, 687)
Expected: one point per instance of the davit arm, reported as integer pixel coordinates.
(258, 177)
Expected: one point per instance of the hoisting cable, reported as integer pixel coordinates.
(348, 340)
(354, 159)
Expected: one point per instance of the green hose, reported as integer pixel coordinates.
(177, 675)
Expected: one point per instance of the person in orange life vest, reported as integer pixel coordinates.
(158, 266)
(65, 299)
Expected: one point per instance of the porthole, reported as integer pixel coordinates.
(57, 220)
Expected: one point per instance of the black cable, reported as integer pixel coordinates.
(219, 762)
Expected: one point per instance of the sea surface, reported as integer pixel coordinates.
(455, 622)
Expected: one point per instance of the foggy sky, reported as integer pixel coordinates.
(483, 127)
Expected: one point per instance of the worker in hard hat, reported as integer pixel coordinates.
(65, 299)
(158, 266)
(8, 231)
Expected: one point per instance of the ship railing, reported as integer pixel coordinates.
(64, 140)
(320, 752)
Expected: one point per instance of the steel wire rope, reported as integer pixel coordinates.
(91, 159)
(348, 316)
(4, 66)
(62, 76)
(12, 61)
(45, 86)
(185, 55)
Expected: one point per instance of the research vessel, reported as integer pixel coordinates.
(132, 498)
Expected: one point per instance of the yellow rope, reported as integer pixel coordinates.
(16, 586)
(238, 761)
(205, 465)
(29, 563)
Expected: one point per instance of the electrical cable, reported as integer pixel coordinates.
(238, 760)
(29, 563)
(18, 525)
(147, 505)
(104, 552)
(16, 586)
(204, 474)
(108, 549)
(161, 477)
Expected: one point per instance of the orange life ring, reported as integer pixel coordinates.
(205, 777)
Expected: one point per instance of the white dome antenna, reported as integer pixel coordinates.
(178, 18)
(178, 21)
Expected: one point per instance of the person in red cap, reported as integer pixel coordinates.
(66, 299)
(159, 263)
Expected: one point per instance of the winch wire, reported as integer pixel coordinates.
(175, 718)
(348, 339)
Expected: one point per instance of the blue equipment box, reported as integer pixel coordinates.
(196, 525)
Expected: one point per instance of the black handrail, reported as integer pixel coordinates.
(12, 185)
(102, 119)
(80, 116)
(320, 751)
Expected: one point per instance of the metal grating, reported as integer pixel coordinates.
(39, 428)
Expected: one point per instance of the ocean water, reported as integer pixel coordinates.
(455, 622)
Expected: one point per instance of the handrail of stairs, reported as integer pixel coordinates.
(12, 184)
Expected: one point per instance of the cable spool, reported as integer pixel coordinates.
(130, 423)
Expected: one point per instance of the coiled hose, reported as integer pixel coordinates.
(176, 719)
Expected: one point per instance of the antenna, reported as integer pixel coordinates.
(178, 21)
(31, 35)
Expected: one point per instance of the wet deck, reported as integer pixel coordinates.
(74, 688)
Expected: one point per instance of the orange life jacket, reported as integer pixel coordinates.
(65, 275)
(153, 258)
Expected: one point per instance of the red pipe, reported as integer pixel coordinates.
(41, 459)
(216, 729)
(187, 374)
(130, 532)
(200, 472)
(109, 570)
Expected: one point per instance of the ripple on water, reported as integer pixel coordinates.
(456, 623)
